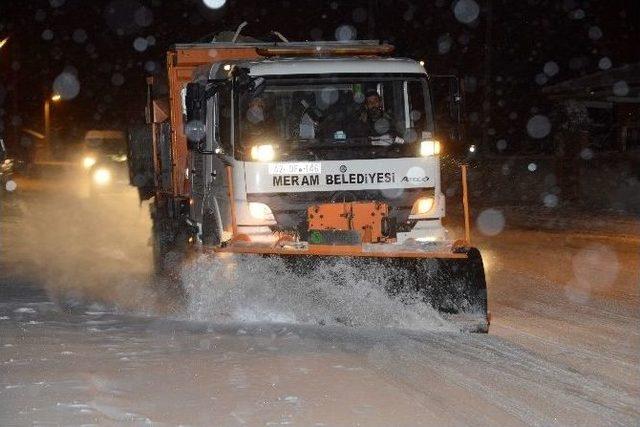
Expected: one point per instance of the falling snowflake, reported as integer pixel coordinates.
(214, 4)
(66, 85)
(466, 11)
(538, 126)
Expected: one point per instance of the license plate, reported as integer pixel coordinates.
(301, 168)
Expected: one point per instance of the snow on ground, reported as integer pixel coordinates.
(563, 349)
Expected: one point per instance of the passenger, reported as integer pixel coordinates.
(258, 122)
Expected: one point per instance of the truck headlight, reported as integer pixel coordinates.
(422, 206)
(88, 162)
(263, 153)
(429, 147)
(260, 211)
(102, 176)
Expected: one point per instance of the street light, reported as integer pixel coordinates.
(3, 42)
(47, 120)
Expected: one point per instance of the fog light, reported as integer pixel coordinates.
(88, 162)
(429, 147)
(102, 176)
(422, 206)
(260, 211)
(263, 153)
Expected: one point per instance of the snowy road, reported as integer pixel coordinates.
(564, 346)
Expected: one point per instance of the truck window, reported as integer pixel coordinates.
(338, 112)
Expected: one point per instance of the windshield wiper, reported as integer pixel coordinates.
(377, 142)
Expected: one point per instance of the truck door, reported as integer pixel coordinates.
(210, 207)
(217, 206)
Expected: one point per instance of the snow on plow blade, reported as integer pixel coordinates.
(453, 285)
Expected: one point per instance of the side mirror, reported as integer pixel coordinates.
(455, 100)
(448, 88)
(447, 92)
(195, 124)
(3, 150)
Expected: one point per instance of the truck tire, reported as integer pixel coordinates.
(162, 238)
(161, 246)
(210, 228)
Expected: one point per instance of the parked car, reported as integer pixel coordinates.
(7, 166)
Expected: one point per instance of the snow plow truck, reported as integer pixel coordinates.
(312, 152)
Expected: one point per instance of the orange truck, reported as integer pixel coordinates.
(313, 152)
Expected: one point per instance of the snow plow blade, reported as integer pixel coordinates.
(452, 283)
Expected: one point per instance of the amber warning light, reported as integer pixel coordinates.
(326, 50)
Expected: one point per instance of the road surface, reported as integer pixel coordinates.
(86, 338)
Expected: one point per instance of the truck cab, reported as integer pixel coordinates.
(301, 132)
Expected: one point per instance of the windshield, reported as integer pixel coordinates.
(106, 145)
(328, 113)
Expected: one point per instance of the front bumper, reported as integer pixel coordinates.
(290, 209)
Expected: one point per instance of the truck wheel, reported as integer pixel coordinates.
(161, 237)
(210, 228)
(161, 248)
(171, 244)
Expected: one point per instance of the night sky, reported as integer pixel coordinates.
(521, 46)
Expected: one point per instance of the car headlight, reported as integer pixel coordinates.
(429, 147)
(102, 176)
(422, 206)
(88, 162)
(263, 153)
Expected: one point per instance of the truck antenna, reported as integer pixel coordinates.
(280, 36)
(237, 33)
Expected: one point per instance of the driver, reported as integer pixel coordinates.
(373, 117)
